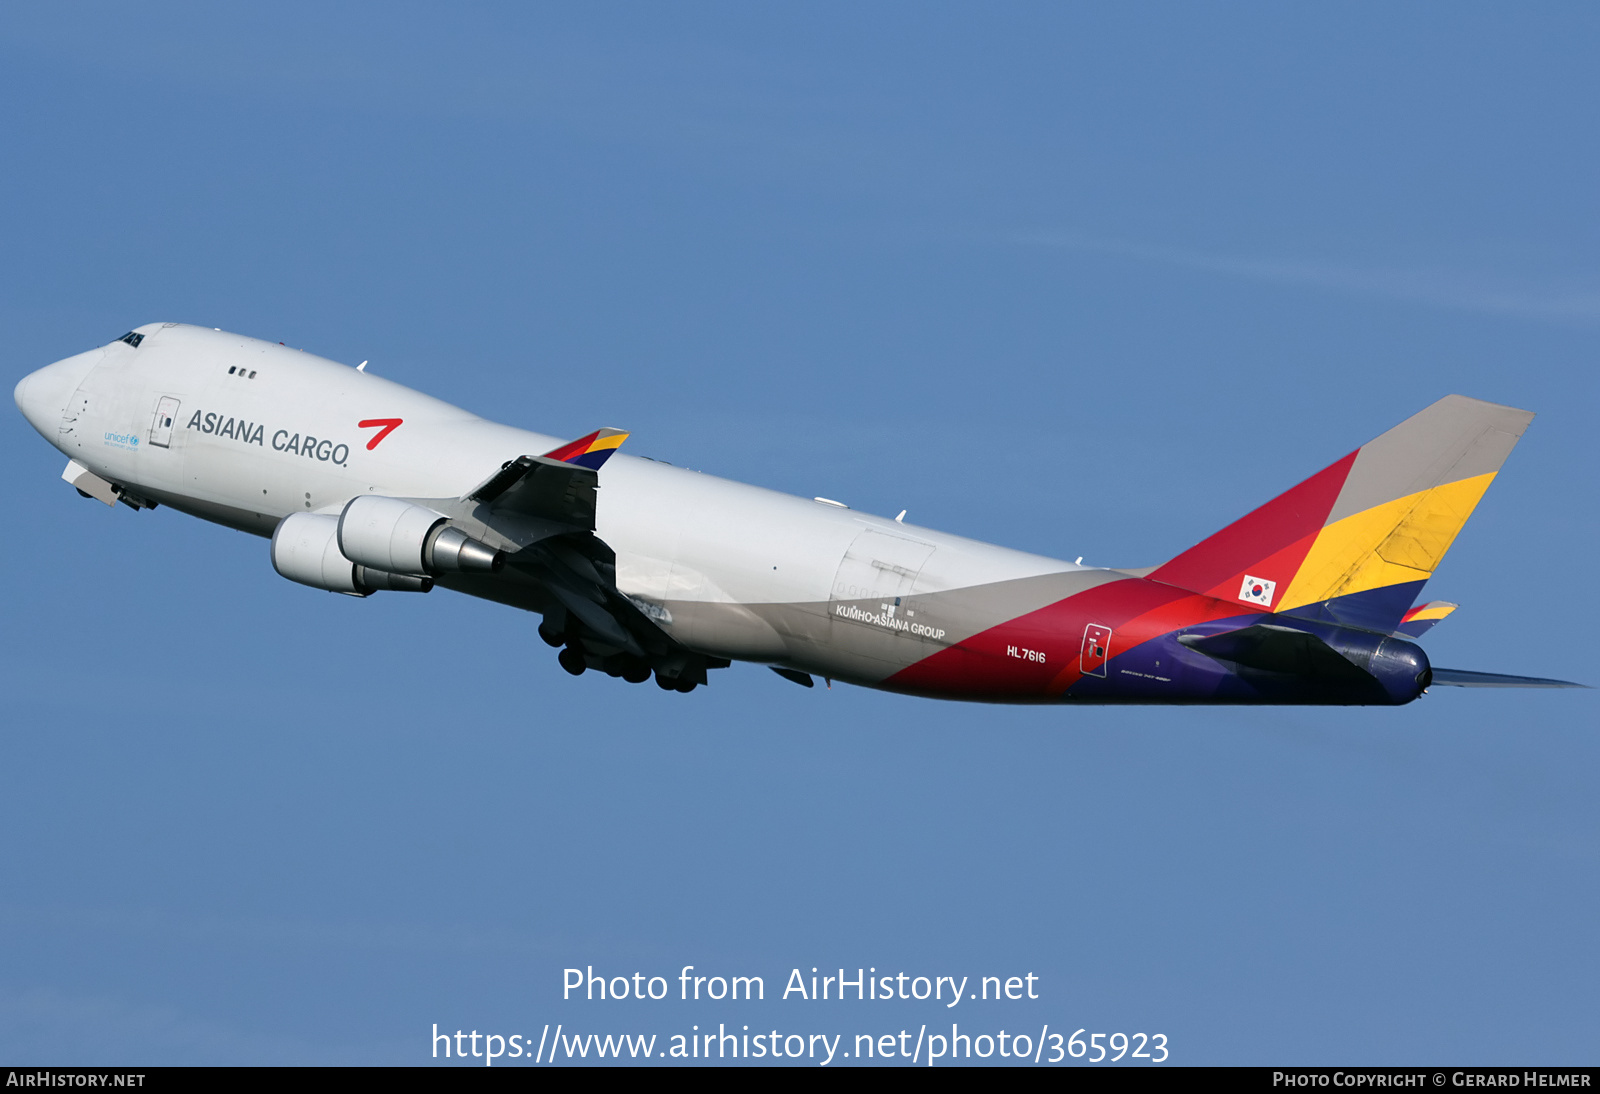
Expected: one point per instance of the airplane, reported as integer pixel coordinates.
(363, 485)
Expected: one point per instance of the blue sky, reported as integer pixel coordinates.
(1081, 280)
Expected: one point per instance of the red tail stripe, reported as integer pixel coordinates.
(1295, 515)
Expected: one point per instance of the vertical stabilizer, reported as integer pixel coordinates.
(1354, 543)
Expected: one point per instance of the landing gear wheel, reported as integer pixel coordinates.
(636, 673)
(686, 686)
(551, 638)
(572, 661)
(666, 683)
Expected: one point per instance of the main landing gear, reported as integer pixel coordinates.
(635, 670)
(674, 683)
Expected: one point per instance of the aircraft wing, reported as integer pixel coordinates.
(558, 486)
(546, 505)
(539, 487)
(575, 567)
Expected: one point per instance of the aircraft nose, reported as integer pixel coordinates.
(42, 396)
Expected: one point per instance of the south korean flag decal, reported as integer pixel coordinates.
(1257, 590)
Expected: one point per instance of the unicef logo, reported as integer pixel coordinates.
(133, 441)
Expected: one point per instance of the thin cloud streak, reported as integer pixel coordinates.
(298, 934)
(65, 1027)
(1433, 287)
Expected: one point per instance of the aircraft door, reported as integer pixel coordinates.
(161, 424)
(1096, 649)
(875, 576)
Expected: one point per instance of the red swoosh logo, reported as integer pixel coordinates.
(389, 425)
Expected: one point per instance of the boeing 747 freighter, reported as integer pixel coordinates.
(641, 569)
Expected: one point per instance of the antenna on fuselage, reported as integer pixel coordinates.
(362, 367)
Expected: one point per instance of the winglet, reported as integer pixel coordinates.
(1423, 618)
(590, 451)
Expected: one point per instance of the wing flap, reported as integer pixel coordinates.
(537, 486)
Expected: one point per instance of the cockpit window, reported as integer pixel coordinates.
(133, 338)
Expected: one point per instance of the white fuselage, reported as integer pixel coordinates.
(259, 431)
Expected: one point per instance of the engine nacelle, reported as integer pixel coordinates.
(305, 548)
(398, 537)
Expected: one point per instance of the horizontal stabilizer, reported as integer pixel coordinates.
(1277, 649)
(1459, 678)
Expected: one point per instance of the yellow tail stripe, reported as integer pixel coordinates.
(1400, 540)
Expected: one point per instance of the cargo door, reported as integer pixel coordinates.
(876, 575)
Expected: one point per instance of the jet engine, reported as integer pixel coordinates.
(305, 548)
(398, 537)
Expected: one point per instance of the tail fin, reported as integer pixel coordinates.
(1355, 542)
